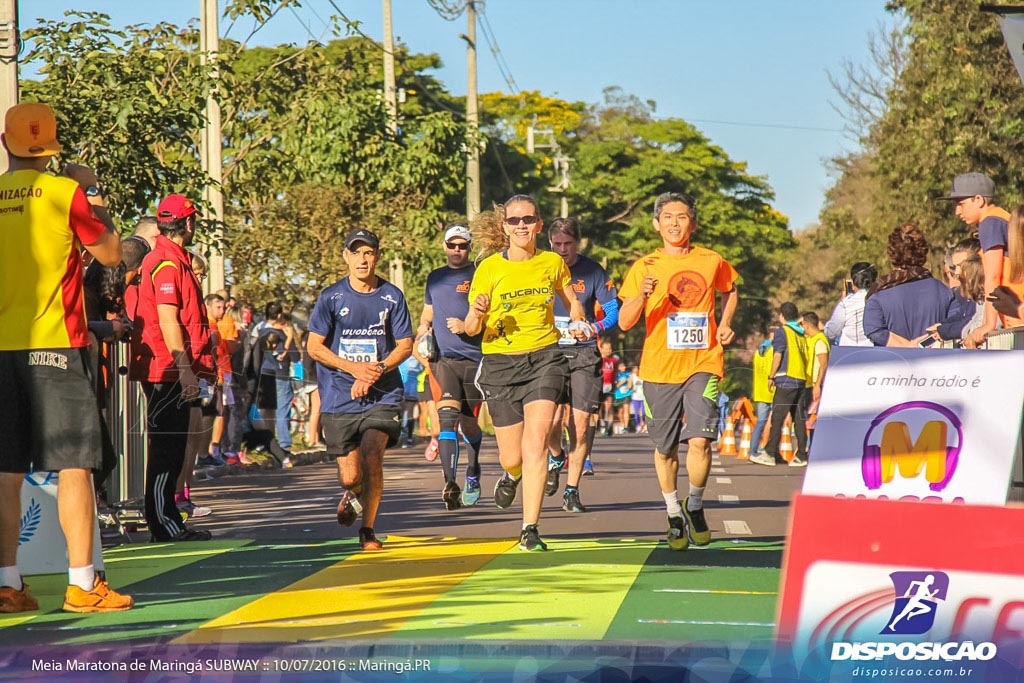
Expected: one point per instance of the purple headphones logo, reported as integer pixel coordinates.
(930, 451)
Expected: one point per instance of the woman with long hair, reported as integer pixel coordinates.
(523, 372)
(903, 304)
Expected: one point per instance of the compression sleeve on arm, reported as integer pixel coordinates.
(611, 316)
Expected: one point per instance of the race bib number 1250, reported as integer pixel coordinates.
(687, 330)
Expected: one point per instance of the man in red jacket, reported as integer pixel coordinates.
(172, 356)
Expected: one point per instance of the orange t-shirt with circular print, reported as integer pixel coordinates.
(680, 315)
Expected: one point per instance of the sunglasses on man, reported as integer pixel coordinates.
(457, 246)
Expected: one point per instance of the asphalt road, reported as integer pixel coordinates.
(743, 500)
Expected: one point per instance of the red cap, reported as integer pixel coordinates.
(173, 207)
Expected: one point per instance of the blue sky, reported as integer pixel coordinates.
(750, 74)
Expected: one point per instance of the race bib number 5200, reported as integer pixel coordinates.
(358, 350)
(687, 330)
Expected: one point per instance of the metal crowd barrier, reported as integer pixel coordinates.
(126, 417)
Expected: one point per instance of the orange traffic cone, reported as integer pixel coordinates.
(745, 434)
(727, 444)
(786, 443)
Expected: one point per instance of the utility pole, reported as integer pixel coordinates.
(9, 46)
(210, 147)
(390, 91)
(472, 119)
(396, 269)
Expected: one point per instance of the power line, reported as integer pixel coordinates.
(499, 58)
(751, 124)
(450, 10)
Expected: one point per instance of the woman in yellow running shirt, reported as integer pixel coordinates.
(523, 373)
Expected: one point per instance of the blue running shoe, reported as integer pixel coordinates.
(471, 492)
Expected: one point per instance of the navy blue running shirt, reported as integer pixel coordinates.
(591, 283)
(362, 328)
(448, 292)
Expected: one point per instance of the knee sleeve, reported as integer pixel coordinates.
(448, 421)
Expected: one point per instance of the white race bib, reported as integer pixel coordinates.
(687, 330)
(562, 323)
(358, 350)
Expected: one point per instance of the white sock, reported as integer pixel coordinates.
(10, 576)
(696, 500)
(530, 524)
(83, 577)
(672, 504)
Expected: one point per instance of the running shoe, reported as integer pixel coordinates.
(287, 463)
(245, 459)
(588, 468)
(102, 598)
(190, 509)
(505, 491)
(230, 459)
(798, 462)
(471, 491)
(210, 461)
(431, 452)
(763, 459)
(696, 525)
(12, 600)
(530, 539)
(368, 541)
(571, 501)
(185, 535)
(554, 470)
(349, 508)
(450, 495)
(678, 539)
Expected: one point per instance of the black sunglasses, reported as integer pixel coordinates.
(525, 220)
(460, 246)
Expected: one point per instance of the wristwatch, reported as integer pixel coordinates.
(383, 366)
(92, 191)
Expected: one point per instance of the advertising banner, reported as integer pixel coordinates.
(41, 545)
(917, 424)
(875, 588)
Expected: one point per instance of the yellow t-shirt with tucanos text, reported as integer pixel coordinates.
(521, 317)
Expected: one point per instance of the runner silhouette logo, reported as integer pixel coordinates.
(917, 598)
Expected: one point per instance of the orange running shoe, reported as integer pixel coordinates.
(102, 598)
(12, 600)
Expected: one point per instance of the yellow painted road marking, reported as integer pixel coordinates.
(369, 593)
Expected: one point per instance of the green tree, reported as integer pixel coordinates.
(957, 107)
(128, 102)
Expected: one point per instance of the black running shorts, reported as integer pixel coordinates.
(343, 432)
(665, 405)
(455, 377)
(50, 420)
(584, 378)
(508, 382)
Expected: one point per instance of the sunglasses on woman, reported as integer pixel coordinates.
(525, 220)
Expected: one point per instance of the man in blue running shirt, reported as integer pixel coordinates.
(360, 333)
(592, 285)
(446, 304)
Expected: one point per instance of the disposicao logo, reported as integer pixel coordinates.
(917, 598)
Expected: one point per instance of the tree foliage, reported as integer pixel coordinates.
(128, 102)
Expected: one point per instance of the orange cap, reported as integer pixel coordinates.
(30, 130)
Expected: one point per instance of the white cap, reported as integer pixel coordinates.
(458, 231)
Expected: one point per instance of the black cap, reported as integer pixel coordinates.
(361, 235)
